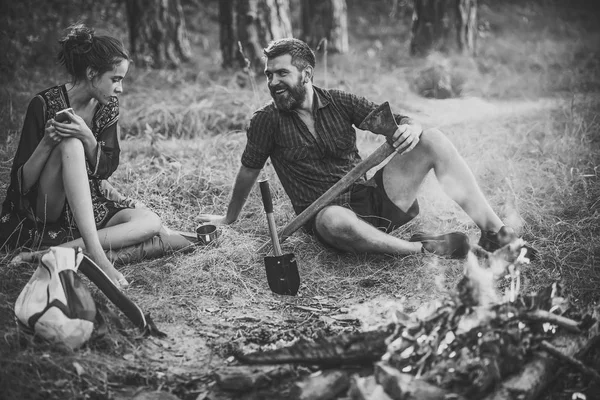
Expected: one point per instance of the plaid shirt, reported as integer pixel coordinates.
(308, 166)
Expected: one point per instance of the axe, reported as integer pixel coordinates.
(380, 121)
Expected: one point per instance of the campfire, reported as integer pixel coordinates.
(476, 342)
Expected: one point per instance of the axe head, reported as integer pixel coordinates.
(380, 121)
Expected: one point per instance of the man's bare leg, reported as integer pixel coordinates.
(65, 177)
(404, 174)
(402, 179)
(341, 228)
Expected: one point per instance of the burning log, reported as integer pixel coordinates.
(474, 342)
(576, 363)
(323, 385)
(367, 389)
(540, 371)
(243, 379)
(406, 387)
(347, 349)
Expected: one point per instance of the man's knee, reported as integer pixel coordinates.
(434, 141)
(336, 224)
(432, 137)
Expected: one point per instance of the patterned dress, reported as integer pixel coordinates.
(19, 224)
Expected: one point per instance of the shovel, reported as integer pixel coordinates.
(380, 121)
(282, 270)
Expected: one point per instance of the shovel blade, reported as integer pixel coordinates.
(282, 274)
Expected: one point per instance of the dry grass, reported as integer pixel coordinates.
(535, 153)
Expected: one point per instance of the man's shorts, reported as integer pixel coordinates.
(371, 203)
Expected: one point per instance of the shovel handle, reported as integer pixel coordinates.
(265, 192)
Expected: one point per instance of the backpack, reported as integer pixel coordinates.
(56, 305)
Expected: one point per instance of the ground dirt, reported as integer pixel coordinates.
(213, 329)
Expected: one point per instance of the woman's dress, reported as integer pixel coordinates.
(19, 224)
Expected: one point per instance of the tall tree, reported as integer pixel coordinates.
(326, 19)
(247, 26)
(444, 25)
(157, 34)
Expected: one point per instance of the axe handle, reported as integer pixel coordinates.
(374, 159)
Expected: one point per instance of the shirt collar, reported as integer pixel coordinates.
(321, 99)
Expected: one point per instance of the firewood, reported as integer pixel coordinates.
(243, 378)
(400, 386)
(366, 389)
(345, 349)
(545, 316)
(544, 345)
(538, 373)
(324, 385)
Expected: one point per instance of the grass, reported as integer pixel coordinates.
(527, 124)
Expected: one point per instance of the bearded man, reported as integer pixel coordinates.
(308, 132)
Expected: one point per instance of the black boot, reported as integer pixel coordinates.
(453, 244)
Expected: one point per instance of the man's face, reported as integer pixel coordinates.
(285, 83)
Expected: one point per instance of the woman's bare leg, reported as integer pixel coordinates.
(65, 177)
(126, 228)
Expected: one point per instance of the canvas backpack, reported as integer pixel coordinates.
(56, 305)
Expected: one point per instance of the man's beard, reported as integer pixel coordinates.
(291, 99)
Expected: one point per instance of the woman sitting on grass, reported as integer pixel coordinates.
(56, 194)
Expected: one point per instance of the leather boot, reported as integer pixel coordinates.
(155, 247)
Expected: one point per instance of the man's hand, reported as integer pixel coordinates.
(406, 137)
(213, 219)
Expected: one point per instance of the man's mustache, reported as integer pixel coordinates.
(273, 89)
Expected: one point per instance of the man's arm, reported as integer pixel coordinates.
(244, 181)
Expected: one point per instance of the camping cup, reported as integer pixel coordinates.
(207, 234)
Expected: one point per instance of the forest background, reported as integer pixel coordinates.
(523, 111)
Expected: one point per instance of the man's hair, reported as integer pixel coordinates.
(302, 55)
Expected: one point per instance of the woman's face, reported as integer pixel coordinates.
(109, 83)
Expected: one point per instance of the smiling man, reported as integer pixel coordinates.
(308, 132)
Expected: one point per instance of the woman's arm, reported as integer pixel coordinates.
(101, 152)
(36, 144)
(106, 158)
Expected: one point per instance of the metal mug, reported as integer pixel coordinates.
(207, 234)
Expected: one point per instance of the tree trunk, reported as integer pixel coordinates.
(228, 37)
(434, 21)
(247, 26)
(157, 34)
(325, 20)
(466, 27)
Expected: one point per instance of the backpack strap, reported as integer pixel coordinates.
(131, 310)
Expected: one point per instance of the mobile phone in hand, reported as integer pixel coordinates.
(62, 116)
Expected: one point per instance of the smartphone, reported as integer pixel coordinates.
(62, 116)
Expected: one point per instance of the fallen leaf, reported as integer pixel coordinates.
(344, 317)
(78, 368)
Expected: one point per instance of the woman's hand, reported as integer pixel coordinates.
(77, 128)
(51, 136)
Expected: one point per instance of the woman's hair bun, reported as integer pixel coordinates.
(81, 49)
(79, 39)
